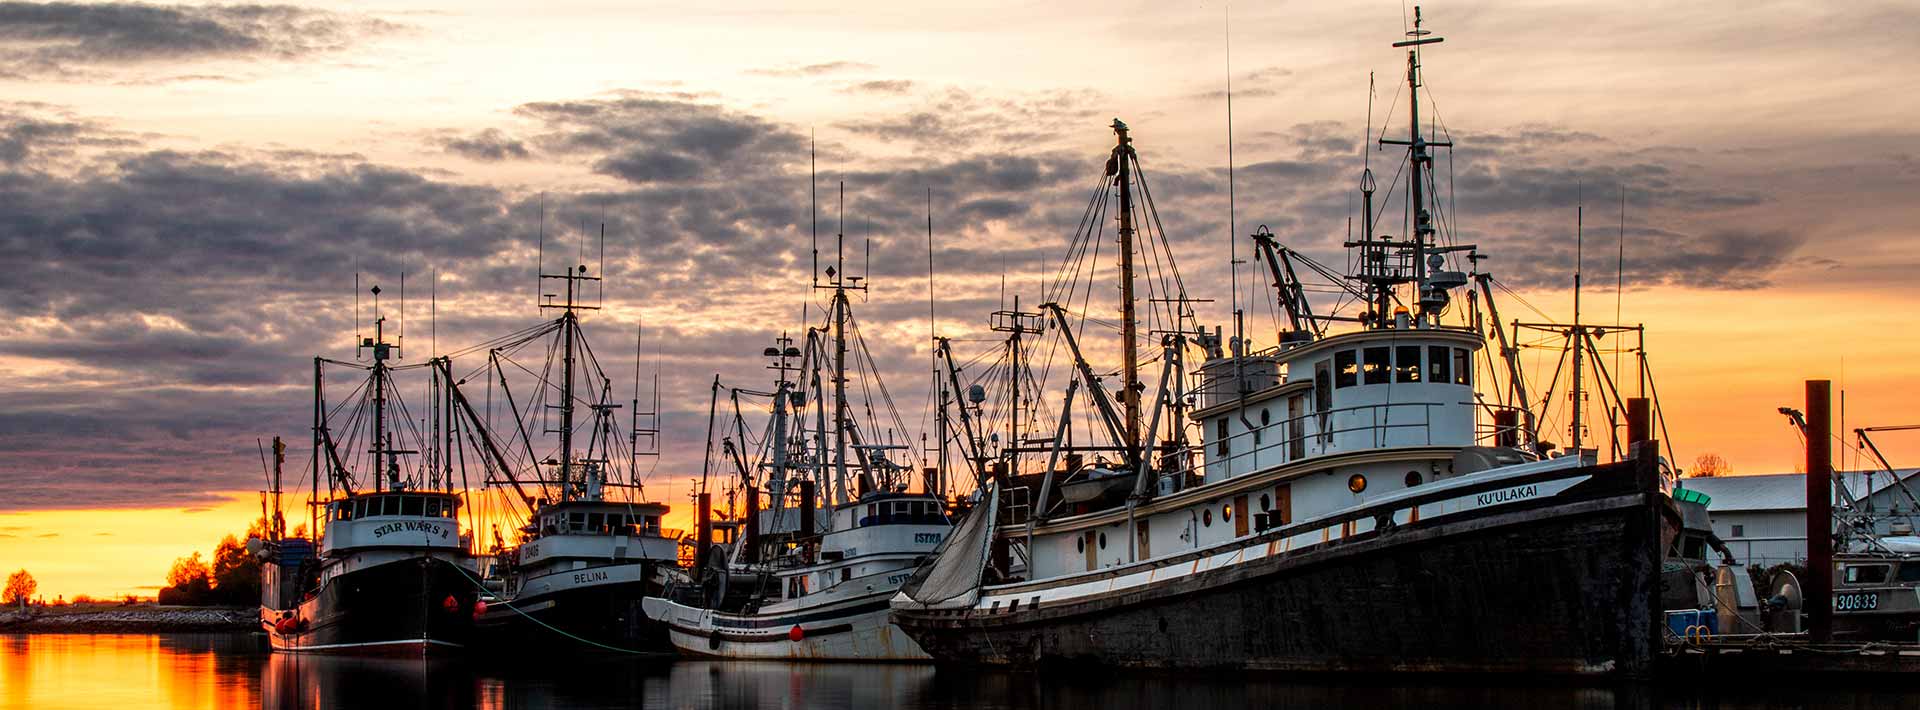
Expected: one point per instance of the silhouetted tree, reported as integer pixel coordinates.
(1709, 466)
(189, 582)
(236, 573)
(20, 589)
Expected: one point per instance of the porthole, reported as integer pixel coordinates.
(1356, 483)
(1226, 513)
(1264, 417)
(1414, 479)
(1079, 544)
(1206, 517)
(1103, 541)
(1266, 503)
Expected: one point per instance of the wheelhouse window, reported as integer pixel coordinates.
(1407, 366)
(1910, 571)
(1345, 370)
(1462, 367)
(1438, 360)
(1866, 574)
(1220, 436)
(1377, 363)
(412, 505)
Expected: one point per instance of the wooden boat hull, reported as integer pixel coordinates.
(1565, 583)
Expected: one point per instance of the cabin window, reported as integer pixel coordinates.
(1408, 367)
(595, 522)
(1910, 572)
(1413, 479)
(411, 505)
(1296, 427)
(846, 573)
(1356, 483)
(1866, 574)
(1462, 367)
(1144, 541)
(1375, 366)
(1079, 544)
(1738, 531)
(577, 521)
(388, 506)
(1266, 503)
(1206, 517)
(1437, 361)
(433, 507)
(1220, 435)
(1345, 371)
(1103, 541)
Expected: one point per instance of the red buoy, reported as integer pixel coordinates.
(450, 604)
(796, 633)
(479, 607)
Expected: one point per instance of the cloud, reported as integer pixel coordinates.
(880, 86)
(820, 69)
(63, 38)
(490, 145)
(165, 306)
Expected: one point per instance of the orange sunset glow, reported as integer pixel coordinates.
(188, 224)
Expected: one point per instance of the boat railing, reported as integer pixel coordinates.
(1301, 438)
(1314, 434)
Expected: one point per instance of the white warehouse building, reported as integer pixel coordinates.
(1763, 519)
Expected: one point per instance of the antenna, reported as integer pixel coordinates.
(540, 263)
(602, 268)
(813, 206)
(1233, 227)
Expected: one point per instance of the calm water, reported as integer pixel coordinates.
(211, 671)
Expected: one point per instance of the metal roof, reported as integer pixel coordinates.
(1786, 491)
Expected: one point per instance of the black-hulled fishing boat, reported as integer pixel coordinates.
(391, 575)
(1345, 505)
(591, 546)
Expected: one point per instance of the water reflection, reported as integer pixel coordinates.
(221, 671)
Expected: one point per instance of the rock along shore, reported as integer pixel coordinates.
(129, 619)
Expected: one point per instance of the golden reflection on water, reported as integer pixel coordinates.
(127, 671)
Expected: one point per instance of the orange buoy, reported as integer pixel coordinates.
(796, 633)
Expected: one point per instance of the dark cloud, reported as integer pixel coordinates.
(176, 299)
(957, 120)
(489, 145)
(60, 37)
(883, 86)
(813, 69)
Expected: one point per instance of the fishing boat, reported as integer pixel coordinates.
(591, 545)
(390, 575)
(1348, 500)
(807, 578)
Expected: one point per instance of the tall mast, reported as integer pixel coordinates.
(840, 349)
(566, 396)
(1416, 177)
(1577, 336)
(569, 330)
(1129, 345)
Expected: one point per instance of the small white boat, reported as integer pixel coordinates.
(835, 608)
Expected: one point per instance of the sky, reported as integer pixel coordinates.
(187, 192)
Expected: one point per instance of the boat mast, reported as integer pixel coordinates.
(1129, 345)
(569, 323)
(1421, 160)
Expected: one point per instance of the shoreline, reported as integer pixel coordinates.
(130, 619)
